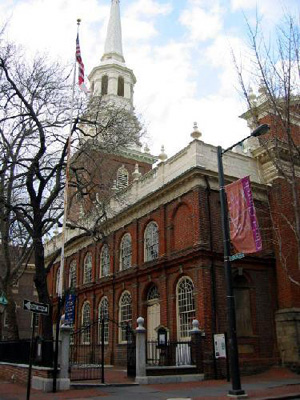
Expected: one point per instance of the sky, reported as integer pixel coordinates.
(179, 50)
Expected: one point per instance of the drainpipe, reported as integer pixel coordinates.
(212, 268)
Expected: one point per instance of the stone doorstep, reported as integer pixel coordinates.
(148, 380)
(46, 384)
(89, 385)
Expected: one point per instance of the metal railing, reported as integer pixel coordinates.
(17, 352)
(172, 354)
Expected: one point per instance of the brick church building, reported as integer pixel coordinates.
(162, 255)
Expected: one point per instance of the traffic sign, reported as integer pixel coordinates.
(38, 308)
(236, 256)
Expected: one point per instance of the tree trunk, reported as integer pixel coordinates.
(12, 331)
(42, 287)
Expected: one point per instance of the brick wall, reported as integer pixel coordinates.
(185, 249)
(19, 373)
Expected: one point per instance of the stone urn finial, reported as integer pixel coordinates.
(162, 157)
(196, 134)
(136, 173)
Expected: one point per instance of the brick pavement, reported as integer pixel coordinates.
(277, 383)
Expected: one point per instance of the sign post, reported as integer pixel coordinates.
(35, 308)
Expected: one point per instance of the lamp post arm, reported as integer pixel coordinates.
(260, 130)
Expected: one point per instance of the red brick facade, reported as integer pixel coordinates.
(190, 245)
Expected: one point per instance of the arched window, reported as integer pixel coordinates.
(122, 178)
(103, 314)
(121, 86)
(104, 84)
(153, 294)
(85, 323)
(125, 252)
(87, 268)
(125, 315)
(242, 306)
(57, 279)
(185, 307)
(72, 275)
(151, 242)
(104, 261)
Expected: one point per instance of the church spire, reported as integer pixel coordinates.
(112, 79)
(113, 44)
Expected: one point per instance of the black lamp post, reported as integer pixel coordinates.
(231, 319)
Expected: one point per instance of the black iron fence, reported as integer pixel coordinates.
(86, 355)
(171, 354)
(17, 352)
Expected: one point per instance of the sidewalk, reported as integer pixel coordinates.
(277, 383)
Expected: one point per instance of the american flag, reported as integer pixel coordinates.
(80, 66)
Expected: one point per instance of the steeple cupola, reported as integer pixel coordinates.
(112, 79)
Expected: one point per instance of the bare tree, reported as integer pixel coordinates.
(273, 71)
(34, 130)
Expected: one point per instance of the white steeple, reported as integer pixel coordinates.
(113, 44)
(112, 79)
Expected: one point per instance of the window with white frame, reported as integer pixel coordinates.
(125, 315)
(153, 294)
(104, 261)
(72, 274)
(57, 279)
(125, 252)
(151, 242)
(185, 307)
(85, 323)
(87, 268)
(122, 178)
(103, 315)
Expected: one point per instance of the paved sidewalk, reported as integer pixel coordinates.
(277, 383)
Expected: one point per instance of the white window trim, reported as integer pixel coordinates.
(72, 264)
(126, 235)
(183, 338)
(85, 281)
(146, 258)
(106, 323)
(82, 323)
(105, 247)
(120, 310)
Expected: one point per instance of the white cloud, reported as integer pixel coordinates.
(220, 55)
(139, 19)
(202, 24)
(50, 26)
(148, 8)
(271, 10)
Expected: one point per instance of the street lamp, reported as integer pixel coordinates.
(231, 318)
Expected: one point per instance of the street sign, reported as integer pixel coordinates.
(70, 309)
(236, 256)
(38, 308)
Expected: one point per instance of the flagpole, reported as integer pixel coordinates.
(63, 233)
(66, 190)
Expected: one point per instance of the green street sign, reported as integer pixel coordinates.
(236, 256)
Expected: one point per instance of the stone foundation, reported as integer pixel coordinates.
(288, 336)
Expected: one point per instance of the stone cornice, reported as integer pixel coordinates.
(267, 156)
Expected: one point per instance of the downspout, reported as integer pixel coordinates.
(212, 268)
